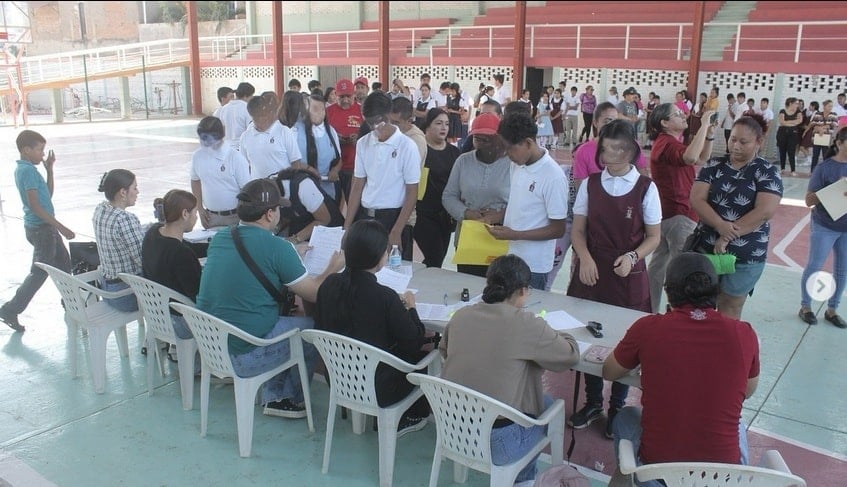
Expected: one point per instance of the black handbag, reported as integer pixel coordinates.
(695, 242)
(84, 257)
(284, 297)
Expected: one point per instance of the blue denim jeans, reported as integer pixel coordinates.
(128, 303)
(285, 385)
(627, 426)
(538, 280)
(822, 241)
(594, 392)
(514, 441)
(180, 327)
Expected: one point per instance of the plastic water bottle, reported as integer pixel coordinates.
(394, 258)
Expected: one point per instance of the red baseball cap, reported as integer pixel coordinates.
(485, 124)
(344, 87)
(361, 80)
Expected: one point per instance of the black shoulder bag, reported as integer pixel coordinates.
(284, 297)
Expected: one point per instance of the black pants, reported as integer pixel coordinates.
(474, 270)
(787, 144)
(345, 180)
(388, 218)
(432, 233)
(588, 126)
(726, 133)
(816, 155)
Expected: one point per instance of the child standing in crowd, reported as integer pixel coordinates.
(545, 125)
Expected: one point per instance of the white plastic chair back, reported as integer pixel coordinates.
(211, 335)
(775, 473)
(71, 289)
(464, 419)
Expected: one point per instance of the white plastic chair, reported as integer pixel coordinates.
(351, 365)
(773, 473)
(94, 315)
(153, 300)
(211, 335)
(464, 419)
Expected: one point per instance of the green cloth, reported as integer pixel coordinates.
(229, 291)
(724, 263)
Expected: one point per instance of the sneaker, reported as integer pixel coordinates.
(807, 316)
(409, 424)
(285, 408)
(585, 416)
(11, 319)
(609, 418)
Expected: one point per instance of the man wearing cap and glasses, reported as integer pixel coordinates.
(230, 291)
(627, 108)
(478, 186)
(386, 175)
(346, 118)
(695, 363)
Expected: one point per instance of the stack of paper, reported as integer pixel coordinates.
(200, 235)
(561, 320)
(398, 281)
(833, 198)
(324, 242)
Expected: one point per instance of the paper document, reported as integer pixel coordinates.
(397, 281)
(833, 198)
(324, 242)
(200, 235)
(583, 346)
(477, 246)
(434, 312)
(561, 320)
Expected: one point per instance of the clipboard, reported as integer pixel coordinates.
(422, 183)
(833, 198)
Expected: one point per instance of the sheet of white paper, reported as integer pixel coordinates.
(583, 346)
(200, 235)
(562, 320)
(324, 242)
(395, 280)
(833, 198)
(433, 312)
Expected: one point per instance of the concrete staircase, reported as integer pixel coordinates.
(440, 38)
(718, 37)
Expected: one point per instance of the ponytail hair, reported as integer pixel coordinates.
(169, 209)
(841, 135)
(115, 180)
(506, 275)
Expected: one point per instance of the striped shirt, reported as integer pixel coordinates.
(119, 236)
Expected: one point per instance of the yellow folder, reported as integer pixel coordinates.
(477, 246)
(422, 183)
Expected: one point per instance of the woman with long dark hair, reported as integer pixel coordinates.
(118, 234)
(319, 144)
(828, 234)
(498, 348)
(354, 304)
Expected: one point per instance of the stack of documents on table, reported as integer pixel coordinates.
(201, 235)
(442, 312)
(561, 320)
(397, 280)
(324, 242)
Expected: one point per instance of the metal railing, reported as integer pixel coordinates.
(670, 41)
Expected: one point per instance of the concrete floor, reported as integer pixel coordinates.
(56, 431)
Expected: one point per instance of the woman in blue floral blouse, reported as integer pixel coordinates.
(735, 197)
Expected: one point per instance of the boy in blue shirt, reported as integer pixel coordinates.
(41, 227)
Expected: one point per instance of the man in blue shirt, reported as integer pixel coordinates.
(41, 227)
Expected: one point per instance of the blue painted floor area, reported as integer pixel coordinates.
(67, 435)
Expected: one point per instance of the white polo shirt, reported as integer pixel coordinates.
(571, 100)
(651, 206)
(270, 151)
(235, 119)
(222, 173)
(538, 194)
(309, 195)
(387, 167)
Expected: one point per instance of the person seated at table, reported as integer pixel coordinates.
(166, 258)
(697, 368)
(354, 304)
(498, 348)
(119, 235)
(616, 225)
(310, 205)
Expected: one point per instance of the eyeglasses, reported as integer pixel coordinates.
(376, 121)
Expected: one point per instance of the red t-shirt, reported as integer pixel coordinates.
(694, 369)
(346, 123)
(673, 177)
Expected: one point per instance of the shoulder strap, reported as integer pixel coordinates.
(329, 131)
(251, 264)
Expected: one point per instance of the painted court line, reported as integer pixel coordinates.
(162, 138)
(789, 238)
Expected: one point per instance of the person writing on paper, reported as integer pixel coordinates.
(478, 186)
(354, 304)
(310, 205)
(616, 224)
(697, 368)
(538, 198)
(498, 348)
(735, 197)
(828, 233)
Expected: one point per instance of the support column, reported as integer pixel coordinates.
(186, 93)
(56, 105)
(696, 48)
(279, 55)
(194, 64)
(520, 44)
(123, 92)
(384, 72)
